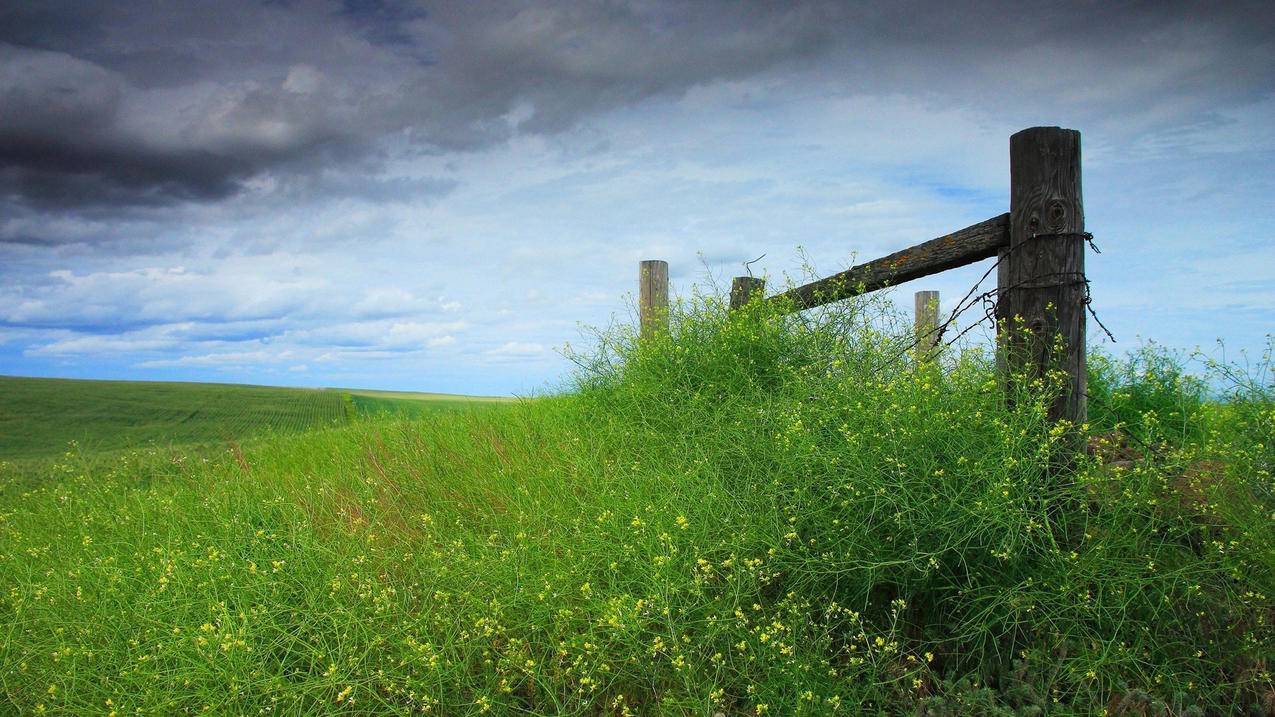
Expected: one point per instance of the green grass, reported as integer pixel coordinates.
(409, 404)
(751, 515)
(40, 417)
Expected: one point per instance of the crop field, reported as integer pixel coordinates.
(746, 516)
(408, 404)
(40, 418)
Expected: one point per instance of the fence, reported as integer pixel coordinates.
(1041, 290)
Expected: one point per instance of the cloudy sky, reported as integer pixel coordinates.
(436, 196)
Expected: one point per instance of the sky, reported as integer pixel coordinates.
(440, 196)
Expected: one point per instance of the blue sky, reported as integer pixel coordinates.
(437, 197)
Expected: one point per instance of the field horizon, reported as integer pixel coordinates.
(393, 392)
(41, 416)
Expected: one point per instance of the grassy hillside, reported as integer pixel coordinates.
(749, 516)
(40, 417)
(410, 404)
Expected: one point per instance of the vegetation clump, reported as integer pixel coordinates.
(750, 514)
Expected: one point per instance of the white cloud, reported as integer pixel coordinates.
(101, 345)
(226, 359)
(386, 301)
(517, 349)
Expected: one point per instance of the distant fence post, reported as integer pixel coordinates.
(653, 297)
(1042, 290)
(743, 288)
(926, 324)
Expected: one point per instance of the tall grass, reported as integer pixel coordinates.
(752, 514)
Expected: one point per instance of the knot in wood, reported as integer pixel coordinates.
(1057, 215)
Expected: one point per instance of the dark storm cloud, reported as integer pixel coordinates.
(53, 24)
(50, 173)
(382, 21)
(144, 104)
(118, 103)
(26, 240)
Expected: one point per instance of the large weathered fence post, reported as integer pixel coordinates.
(1042, 279)
(926, 324)
(743, 288)
(653, 296)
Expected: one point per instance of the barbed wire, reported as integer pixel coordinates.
(989, 299)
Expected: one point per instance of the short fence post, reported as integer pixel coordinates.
(743, 288)
(1042, 289)
(653, 297)
(926, 324)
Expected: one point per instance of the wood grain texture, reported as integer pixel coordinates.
(971, 244)
(653, 296)
(1042, 287)
(926, 324)
(744, 288)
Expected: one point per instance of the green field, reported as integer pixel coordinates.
(41, 417)
(750, 515)
(408, 404)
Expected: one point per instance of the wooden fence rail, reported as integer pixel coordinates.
(1041, 287)
(966, 246)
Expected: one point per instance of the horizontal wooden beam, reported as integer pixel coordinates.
(971, 244)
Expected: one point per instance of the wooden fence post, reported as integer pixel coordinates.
(743, 288)
(653, 297)
(1042, 288)
(926, 324)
